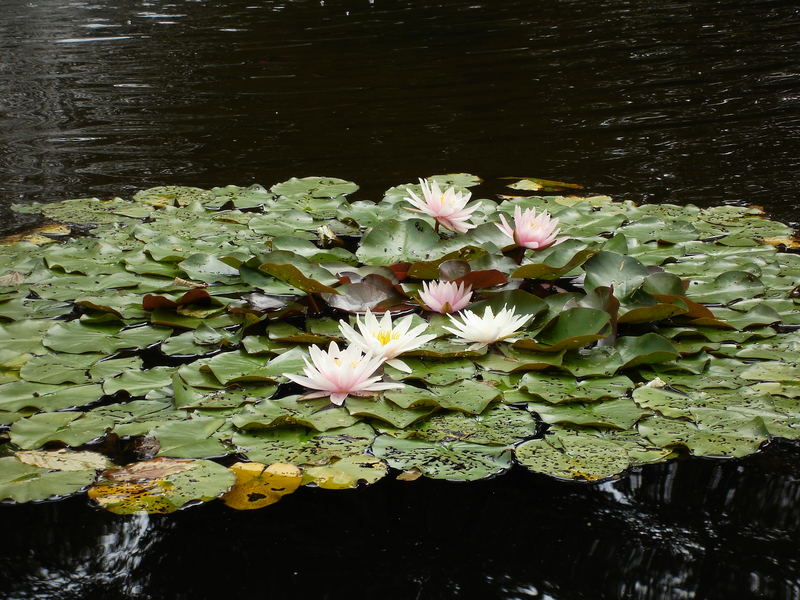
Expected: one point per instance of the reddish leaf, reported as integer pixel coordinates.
(483, 279)
(400, 270)
(152, 302)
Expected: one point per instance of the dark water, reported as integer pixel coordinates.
(694, 101)
(701, 529)
(680, 101)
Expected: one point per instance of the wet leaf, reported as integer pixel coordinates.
(466, 396)
(557, 389)
(573, 457)
(160, 485)
(23, 482)
(70, 428)
(395, 241)
(258, 485)
(319, 414)
(346, 473)
(498, 425)
(386, 411)
(63, 460)
(456, 461)
(620, 413)
(300, 446)
(543, 185)
(190, 439)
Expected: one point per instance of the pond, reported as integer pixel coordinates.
(682, 102)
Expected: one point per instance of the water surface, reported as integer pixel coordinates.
(693, 101)
(674, 101)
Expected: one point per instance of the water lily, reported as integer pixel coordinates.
(339, 373)
(386, 339)
(531, 231)
(488, 328)
(445, 296)
(449, 208)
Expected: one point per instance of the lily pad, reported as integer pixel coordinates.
(160, 485)
(22, 482)
(258, 485)
(456, 461)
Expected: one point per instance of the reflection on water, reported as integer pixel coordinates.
(679, 101)
(674, 101)
(77, 556)
(693, 529)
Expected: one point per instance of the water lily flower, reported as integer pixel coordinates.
(445, 296)
(488, 328)
(449, 208)
(386, 339)
(531, 231)
(339, 373)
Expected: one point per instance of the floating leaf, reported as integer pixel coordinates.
(160, 485)
(499, 425)
(705, 441)
(190, 439)
(466, 396)
(320, 414)
(22, 482)
(258, 485)
(346, 473)
(620, 413)
(557, 389)
(457, 461)
(300, 446)
(386, 411)
(63, 460)
(573, 457)
(73, 429)
(395, 241)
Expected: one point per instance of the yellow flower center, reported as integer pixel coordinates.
(384, 337)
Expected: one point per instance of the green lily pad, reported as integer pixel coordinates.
(70, 428)
(319, 415)
(191, 439)
(557, 389)
(24, 483)
(467, 396)
(620, 413)
(498, 425)
(346, 473)
(456, 461)
(300, 446)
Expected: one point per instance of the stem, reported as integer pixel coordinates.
(517, 254)
(313, 303)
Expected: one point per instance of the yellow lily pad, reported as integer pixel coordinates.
(63, 460)
(258, 485)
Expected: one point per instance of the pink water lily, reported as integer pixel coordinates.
(531, 231)
(445, 296)
(339, 373)
(449, 208)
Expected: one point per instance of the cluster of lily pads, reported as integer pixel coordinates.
(154, 349)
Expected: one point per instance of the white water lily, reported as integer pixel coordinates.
(488, 328)
(340, 373)
(384, 338)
